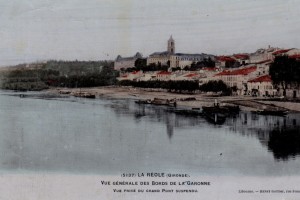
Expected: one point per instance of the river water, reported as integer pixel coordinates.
(108, 136)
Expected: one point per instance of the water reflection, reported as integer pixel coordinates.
(113, 136)
(280, 135)
(284, 143)
(159, 114)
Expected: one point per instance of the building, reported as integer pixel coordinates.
(182, 59)
(243, 59)
(237, 78)
(263, 54)
(175, 60)
(223, 61)
(132, 76)
(164, 57)
(126, 62)
(261, 86)
(164, 76)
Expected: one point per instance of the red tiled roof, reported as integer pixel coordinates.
(241, 56)
(164, 73)
(265, 78)
(191, 75)
(295, 56)
(243, 71)
(281, 51)
(225, 58)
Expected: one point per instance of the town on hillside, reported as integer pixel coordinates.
(245, 73)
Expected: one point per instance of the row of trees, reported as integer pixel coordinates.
(181, 86)
(103, 78)
(217, 86)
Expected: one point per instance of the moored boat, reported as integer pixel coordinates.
(271, 112)
(84, 95)
(188, 112)
(157, 101)
(215, 118)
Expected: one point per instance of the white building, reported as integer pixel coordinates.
(263, 54)
(261, 86)
(175, 60)
(127, 62)
(237, 78)
(182, 59)
(164, 57)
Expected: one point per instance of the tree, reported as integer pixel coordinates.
(216, 86)
(140, 63)
(284, 72)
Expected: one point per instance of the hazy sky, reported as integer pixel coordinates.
(36, 30)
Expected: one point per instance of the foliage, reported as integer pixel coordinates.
(232, 64)
(216, 86)
(146, 68)
(140, 63)
(206, 62)
(285, 71)
(69, 68)
(60, 73)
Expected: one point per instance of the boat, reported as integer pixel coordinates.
(167, 102)
(221, 109)
(271, 112)
(216, 118)
(188, 112)
(84, 95)
(64, 92)
(147, 101)
(214, 109)
(217, 114)
(157, 101)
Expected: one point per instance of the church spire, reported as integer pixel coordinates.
(171, 45)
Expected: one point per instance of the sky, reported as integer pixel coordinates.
(40, 30)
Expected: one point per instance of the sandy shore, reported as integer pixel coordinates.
(245, 102)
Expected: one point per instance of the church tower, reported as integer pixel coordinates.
(171, 46)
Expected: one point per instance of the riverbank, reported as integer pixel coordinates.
(185, 100)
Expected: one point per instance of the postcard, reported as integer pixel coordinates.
(128, 99)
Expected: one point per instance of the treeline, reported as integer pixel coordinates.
(59, 73)
(216, 86)
(70, 68)
(285, 72)
(105, 77)
(180, 86)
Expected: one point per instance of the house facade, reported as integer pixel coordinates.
(237, 78)
(261, 86)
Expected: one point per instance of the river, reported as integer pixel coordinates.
(111, 136)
